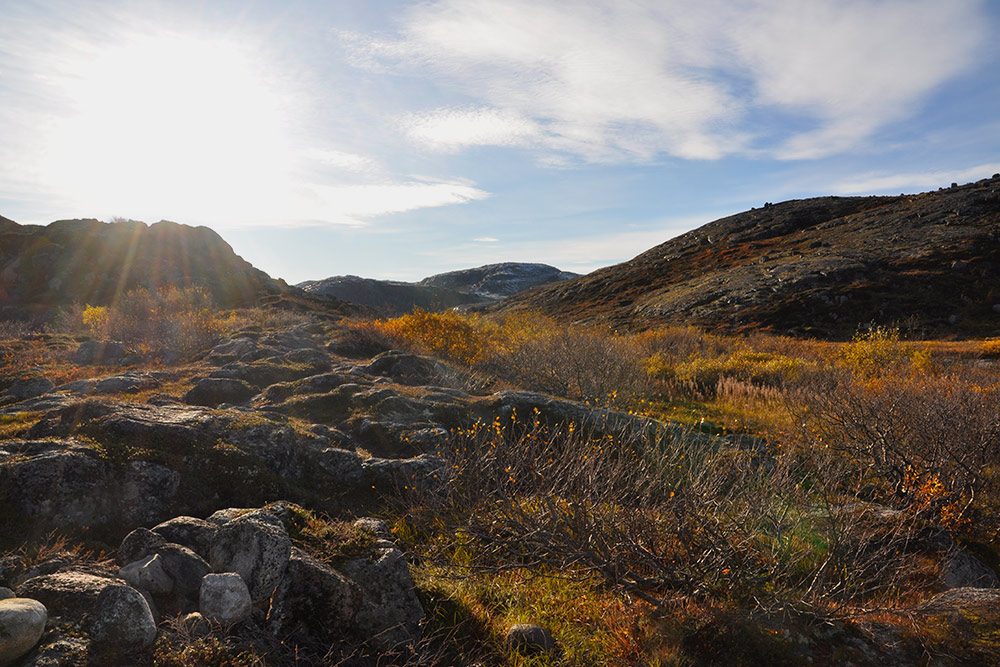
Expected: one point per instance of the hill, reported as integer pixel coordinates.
(89, 261)
(442, 291)
(822, 266)
(498, 281)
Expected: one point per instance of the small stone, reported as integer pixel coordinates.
(224, 598)
(6, 593)
(530, 638)
(122, 620)
(22, 622)
(196, 624)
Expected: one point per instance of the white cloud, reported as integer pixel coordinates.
(876, 183)
(450, 129)
(486, 239)
(609, 81)
(123, 116)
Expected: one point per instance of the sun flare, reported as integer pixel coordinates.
(171, 122)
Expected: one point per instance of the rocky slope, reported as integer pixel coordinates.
(483, 284)
(929, 262)
(89, 261)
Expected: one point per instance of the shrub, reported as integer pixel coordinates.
(170, 321)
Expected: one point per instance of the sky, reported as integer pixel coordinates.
(398, 140)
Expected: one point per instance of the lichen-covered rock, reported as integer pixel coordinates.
(255, 546)
(22, 622)
(390, 611)
(312, 597)
(63, 484)
(212, 392)
(224, 598)
(148, 575)
(122, 620)
(191, 532)
(69, 595)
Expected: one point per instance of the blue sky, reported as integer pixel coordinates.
(401, 139)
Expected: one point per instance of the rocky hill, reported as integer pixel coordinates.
(483, 284)
(388, 297)
(89, 261)
(498, 281)
(928, 262)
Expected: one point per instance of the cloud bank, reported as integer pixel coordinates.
(611, 81)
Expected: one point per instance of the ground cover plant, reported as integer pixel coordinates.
(844, 457)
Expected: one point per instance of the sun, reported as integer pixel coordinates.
(171, 122)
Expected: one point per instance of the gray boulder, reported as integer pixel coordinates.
(122, 620)
(224, 598)
(69, 595)
(27, 388)
(186, 568)
(312, 597)
(137, 545)
(22, 622)
(529, 638)
(390, 611)
(196, 534)
(148, 575)
(255, 546)
(98, 352)
(130, 381)
(213, 392)
(963, 570)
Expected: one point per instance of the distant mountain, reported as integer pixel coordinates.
(822, 267)
(90, 262)
(498, 281)
(387, 297)
(483, 284)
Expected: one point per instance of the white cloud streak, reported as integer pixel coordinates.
(612, 81)
(891, 183)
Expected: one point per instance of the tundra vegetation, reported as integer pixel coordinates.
(750, 499)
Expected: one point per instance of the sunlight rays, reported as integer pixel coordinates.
(173, 121)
